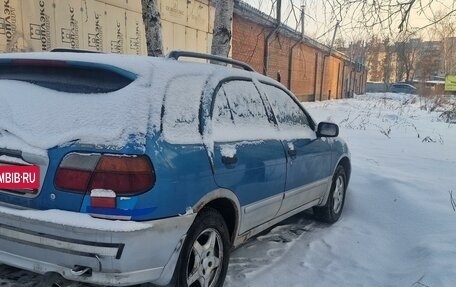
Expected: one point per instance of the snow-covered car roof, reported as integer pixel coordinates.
(142, 65)
(37, 118)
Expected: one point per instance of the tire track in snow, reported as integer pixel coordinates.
(263, 251)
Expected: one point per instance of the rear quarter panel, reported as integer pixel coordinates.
(183, 177)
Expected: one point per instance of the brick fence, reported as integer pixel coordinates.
(299, 64)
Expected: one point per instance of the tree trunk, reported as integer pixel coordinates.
(152, 22)
(222, 27)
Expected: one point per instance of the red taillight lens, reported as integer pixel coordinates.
(72, 179)
(123, 164)
(125, 175)
(122, 183)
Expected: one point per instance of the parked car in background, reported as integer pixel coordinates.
(152, 169)
(376, 87)
(403, 88)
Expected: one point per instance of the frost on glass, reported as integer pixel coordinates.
(222, 114)
(293, 122)
(181, 109)
(239, 114)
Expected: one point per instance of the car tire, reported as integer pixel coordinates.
(332, 210)
(205, 253)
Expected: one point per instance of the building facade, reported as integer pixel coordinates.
(411, 60)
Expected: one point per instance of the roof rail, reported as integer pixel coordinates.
(176, 54)
(67, 50)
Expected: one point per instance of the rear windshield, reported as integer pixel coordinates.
(65, 76)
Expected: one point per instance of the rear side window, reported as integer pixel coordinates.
(64, 76)
(181, 109)
(246, 104)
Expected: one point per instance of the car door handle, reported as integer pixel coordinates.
(292, 152)
(229, 159)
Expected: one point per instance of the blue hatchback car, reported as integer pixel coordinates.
(153, 169)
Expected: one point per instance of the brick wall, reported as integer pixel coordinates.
(279, 48)
(306, 72)
(248, 42)
(304, 78)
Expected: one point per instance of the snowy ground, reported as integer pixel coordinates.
(398, 226)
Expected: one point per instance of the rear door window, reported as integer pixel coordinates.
(239, 113)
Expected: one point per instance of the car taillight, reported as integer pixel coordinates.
(124, 174)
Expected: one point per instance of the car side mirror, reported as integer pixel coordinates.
(326, 129)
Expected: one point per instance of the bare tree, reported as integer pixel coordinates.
(152, 23)
(388, 60)
(407, 50)
(357, 52)
(428, 62)
(381, 59)
(444, 31)
(374, 58)
(393, 16)
(339, 43)
(221, 42)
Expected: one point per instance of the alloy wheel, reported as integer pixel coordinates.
(338, 195)
(206, 257)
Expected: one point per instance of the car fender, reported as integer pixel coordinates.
(222, 193)
(326, 195)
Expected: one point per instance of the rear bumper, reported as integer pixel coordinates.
(116, 253)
